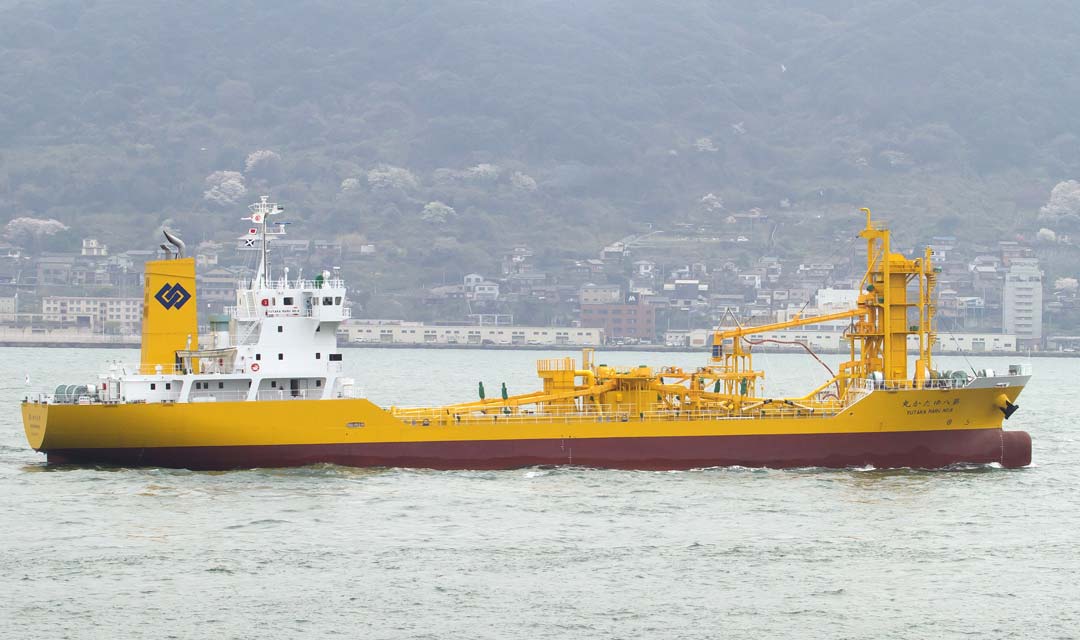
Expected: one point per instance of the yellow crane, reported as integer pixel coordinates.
(895, 300)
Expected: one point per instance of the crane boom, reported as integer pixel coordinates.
(720, 335)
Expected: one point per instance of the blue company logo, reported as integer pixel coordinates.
(172, 296)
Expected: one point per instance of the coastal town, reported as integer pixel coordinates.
(634, 292)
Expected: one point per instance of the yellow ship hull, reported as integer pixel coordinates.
(925, 428)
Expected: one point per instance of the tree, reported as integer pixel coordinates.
(1064, 200)
(225, 188)
(389, 177)
(523, 181)
(437, 212)
(264, 164)
(1046, 235)
(1068, 285)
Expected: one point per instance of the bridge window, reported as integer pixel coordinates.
(335, 357)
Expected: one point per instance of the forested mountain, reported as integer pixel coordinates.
(446, 129)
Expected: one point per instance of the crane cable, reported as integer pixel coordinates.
(805, 347)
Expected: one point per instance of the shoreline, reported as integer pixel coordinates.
(656, 348)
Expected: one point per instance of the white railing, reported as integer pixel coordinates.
(607, 413)
(132, 369)
(866, 384)
(281, 284)
(247, 314)
(200, 396)
(440, 418)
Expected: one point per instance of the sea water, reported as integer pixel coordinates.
(534, 553)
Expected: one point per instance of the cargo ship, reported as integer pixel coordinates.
(265, 387)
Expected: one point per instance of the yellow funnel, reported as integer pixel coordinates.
(170, 315)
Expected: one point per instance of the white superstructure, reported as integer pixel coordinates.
(279, 342)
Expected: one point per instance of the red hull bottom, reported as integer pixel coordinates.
(919, 449)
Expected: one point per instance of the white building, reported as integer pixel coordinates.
(8, 307)
(477, 288)
(600, 294)
(694, 338)
(93, 312)
(644, 268)
(837, 299)
(1021, 302)
(92, 247)
(401, 332)
(485, 291)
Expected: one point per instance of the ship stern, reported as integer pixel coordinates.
(35, 420)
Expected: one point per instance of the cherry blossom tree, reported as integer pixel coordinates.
(437, 212)
(386, 176)
(225, 188)
(1064, 200)
(523, 181)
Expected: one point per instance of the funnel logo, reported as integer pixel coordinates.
(172, 296)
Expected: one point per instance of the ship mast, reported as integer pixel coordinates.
(260, 215)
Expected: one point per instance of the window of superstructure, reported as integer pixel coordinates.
(337, 300)
(287, 300)
(328, 301)
(318, 355)
(281, 356)
(273, 384)
(318, 383)
(221, 385)
(168, 386)
(280, 328)
(258, 356)
(153, 386)
(335, 357)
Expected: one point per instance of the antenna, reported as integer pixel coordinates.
(260, 212)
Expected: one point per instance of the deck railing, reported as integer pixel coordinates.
(607, 413)
(867, 384)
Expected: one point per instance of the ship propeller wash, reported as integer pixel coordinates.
(265, 389)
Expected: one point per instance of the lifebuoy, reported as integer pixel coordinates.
(266, 302)
(254, 366)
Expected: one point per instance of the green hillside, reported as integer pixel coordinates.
(559, 123)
